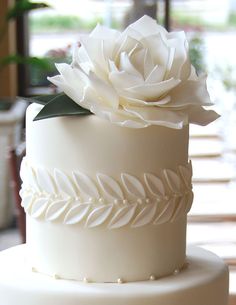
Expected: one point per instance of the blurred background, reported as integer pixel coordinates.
(33, 36)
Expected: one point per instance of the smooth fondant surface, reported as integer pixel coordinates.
(203, 282)
(116, 161)
(104, 255)
(93, 145)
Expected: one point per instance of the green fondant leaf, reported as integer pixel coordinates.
(41, 99)
(44, 99)
(58, 105)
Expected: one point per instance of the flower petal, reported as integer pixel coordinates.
(157, 74)
(148, 63)
(190, 93)
(103, 32)
(80, 56)
(126, 65)
(121, 117)
(95, 51)
(159, 116)
(143, 27)
(124, 44)
(112, 66)
(137, 58)
(122, 80)
(126, 101)
(158, 48)
(105, 93)
(150, 92)
(75, 79)
(199, 115)
(75, 95)
(181, 65)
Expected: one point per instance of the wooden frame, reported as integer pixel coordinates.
(8, 74)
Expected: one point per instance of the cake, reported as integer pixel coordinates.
(107, 180)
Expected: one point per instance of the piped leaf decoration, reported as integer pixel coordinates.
(180, 208)
(56, 209)
(27, 202)
(110, 187)
(154, 185)
(190, 167)
(64, 184)
(133, 186)
(23, 193)
(145, 216)
(98, 216)
(39, 207)
(32, 178)
(77, 213)
(85, 185)
(186, 174)
(167, 212)
(45, 181)
(28, 177)
(59, 105)
(172, 180)
(189, 201)
(122, 217)
(50, 196)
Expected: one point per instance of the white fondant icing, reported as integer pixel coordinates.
(102, 255)
(204, 282)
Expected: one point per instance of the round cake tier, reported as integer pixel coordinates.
(203, 282)
(105, 201)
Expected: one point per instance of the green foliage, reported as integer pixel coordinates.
(5, 105)
(61, 23)
(58, 105)
(38, 74)
(187, 20)
(232, 19)
(193, 21)
(19, 9)
(41, 63)
(196, 53)
(23, 6)
(227, 76)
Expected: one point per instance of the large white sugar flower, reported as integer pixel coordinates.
(136, 78)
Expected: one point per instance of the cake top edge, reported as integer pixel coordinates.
(136, 78)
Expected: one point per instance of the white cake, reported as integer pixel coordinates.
(107, 195)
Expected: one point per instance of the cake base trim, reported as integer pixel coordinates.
(204, 282)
